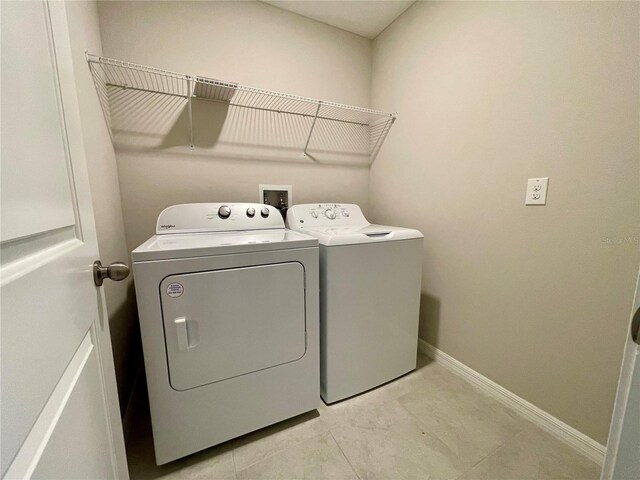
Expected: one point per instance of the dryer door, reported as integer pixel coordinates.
(225, 323)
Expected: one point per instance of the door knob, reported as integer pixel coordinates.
(117, 271)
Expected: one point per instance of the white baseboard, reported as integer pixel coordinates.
(567, 434)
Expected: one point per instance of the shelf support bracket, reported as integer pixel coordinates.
(381, 137)
(189, 111)
(315, 119)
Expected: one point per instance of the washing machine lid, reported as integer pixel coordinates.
(342, 224)
(202, 229)
(331, 236)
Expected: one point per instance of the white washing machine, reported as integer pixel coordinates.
(370, 279)
(228, 304)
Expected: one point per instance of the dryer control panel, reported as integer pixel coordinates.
(323, 214)
(217, 217)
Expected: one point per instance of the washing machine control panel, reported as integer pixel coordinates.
(217, 217)
(322, 214)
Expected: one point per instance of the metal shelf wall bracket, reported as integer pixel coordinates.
(189, 80)
(313, 124)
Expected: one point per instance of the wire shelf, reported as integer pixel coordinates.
(109, 73)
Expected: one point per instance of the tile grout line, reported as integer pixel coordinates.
(434, 436)
(496, 450)
(278, 451)
(423, 426)
(233, 460)
(344, 455)
(527, 426)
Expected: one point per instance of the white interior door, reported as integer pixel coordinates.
(59, 407)
(623, 448)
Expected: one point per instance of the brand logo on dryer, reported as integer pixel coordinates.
(167, 226)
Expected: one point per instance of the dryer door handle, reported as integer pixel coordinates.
(182, 333)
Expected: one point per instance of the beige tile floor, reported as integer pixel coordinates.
(429, 424)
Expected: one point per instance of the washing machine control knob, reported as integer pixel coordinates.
(264, 212)
(224, 211)
(314, 214)
(251, 212)
(330, 214)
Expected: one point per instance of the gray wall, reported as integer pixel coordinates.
(84, 33)
(247, 42)
(489, 94)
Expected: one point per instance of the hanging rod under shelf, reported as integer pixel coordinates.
(109, 72)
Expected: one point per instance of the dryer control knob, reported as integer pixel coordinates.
(224, 211)
(264, 212)
(251, 212)
(330, 214)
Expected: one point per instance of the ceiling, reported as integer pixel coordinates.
(365, 18)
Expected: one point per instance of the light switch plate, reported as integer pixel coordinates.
(537, 191)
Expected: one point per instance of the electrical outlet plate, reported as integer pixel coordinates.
(271, 193)
(537, 191)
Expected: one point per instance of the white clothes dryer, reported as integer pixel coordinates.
(370, 279)
(228, 304)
